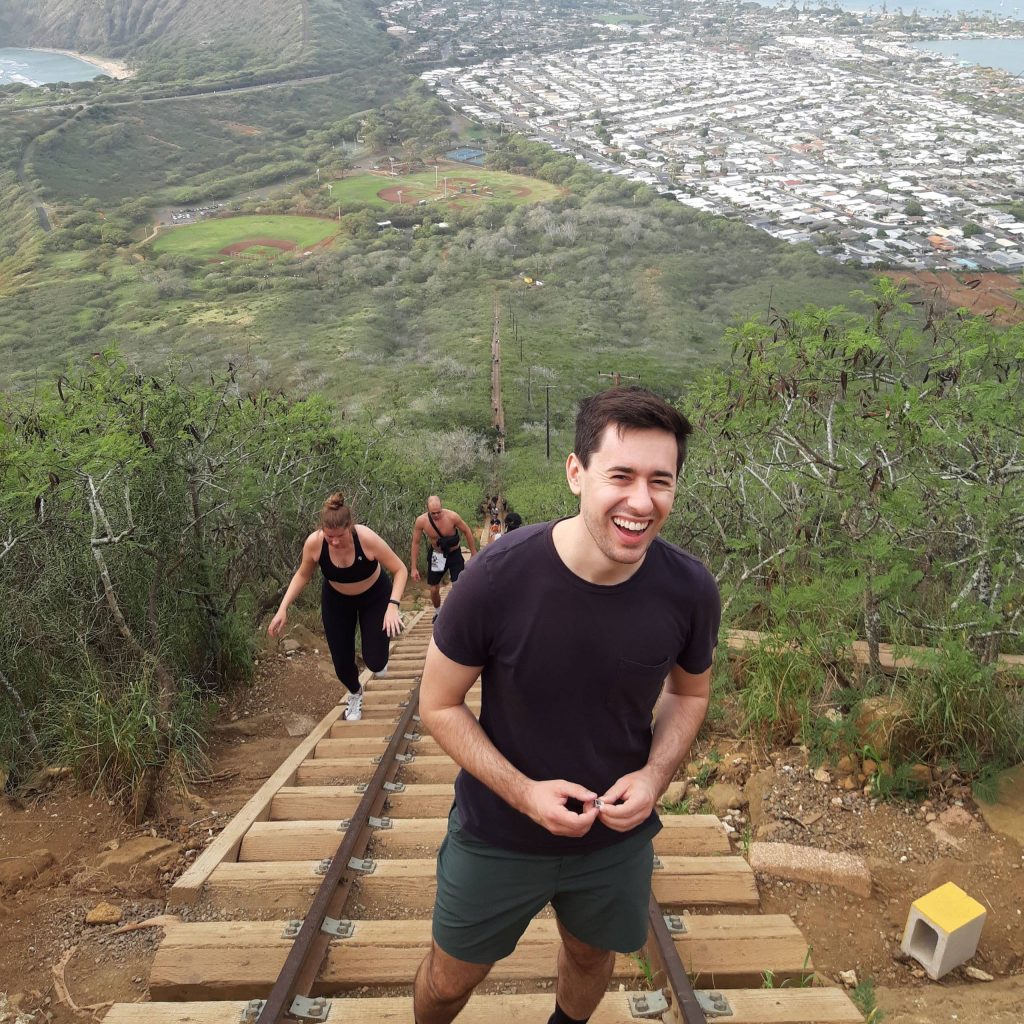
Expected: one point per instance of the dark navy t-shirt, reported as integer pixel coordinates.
(571, 670)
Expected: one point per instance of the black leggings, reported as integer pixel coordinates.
(340, 613)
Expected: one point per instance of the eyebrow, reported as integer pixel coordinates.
(632, 469)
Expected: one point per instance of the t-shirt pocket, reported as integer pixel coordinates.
(636, 688)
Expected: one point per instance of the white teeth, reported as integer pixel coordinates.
(632, 527)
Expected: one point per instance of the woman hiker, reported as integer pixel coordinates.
(356, 587)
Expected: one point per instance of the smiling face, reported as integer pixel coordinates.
(626, 494)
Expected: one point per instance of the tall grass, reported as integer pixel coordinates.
(107, 732)
(960, 711)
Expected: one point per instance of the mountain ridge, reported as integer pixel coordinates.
(122, 28)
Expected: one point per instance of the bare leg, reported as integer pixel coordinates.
(435, 595)
(443, 986)
(583, 975)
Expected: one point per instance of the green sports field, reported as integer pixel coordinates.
(245, 236)
(466, 185)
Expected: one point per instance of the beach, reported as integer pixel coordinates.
(114, 68)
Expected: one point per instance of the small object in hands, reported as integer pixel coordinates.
(598, 804)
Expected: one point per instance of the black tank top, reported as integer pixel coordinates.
(362, 568)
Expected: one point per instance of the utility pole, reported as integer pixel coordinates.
(619, 377)
(547, 418)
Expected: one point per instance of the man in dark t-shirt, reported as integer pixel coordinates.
(577, 629)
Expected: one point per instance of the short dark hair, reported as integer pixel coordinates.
(629, 408)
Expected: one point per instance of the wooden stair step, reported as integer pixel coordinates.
(410, 884)
(326, 803)
(394, 684)
(376, 717)
(311, 839)
(240, 959)
(757, 1006)
(369, 745)
(339, 771)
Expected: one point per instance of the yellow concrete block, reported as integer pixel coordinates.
(949, 907)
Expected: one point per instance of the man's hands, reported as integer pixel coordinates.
(626, 804)
(545, 804)
(629, 801)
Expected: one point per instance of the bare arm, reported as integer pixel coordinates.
(467, 533)
(304, 573)
(444, 713)
(683, 705)
(377, 547)
(417, 529)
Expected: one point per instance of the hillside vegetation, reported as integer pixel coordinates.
(126, 28)
(177, 402)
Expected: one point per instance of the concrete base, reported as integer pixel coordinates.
(943, 929)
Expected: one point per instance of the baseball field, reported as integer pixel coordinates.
(248, 236)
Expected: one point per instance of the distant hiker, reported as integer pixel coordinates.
(441, 527)
(356, 588)
(511, 522)
(576, 629)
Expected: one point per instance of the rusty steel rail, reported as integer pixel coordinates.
(310, 946)
(672, 969)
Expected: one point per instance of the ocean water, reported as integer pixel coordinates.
(1007, 54)
(37, 67)
(930, 8)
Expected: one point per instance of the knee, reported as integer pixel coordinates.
(451, 981)
(375, 660)
(586, 958)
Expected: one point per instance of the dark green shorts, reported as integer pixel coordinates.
(487, 896)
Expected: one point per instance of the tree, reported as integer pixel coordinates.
(845, 456)
(153, 521)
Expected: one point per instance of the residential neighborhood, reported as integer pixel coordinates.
(858, 142)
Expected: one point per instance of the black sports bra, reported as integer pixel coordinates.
(362, 568)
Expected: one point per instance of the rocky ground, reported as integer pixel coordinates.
(67, 859)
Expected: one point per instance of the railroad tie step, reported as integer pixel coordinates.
(227, 960)
(418, 816)
(745, 1006)
(678, 882)
(337, 771)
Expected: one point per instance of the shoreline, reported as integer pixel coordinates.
(114, 68)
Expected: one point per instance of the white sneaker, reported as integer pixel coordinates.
(354, 711)
(382, 673)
